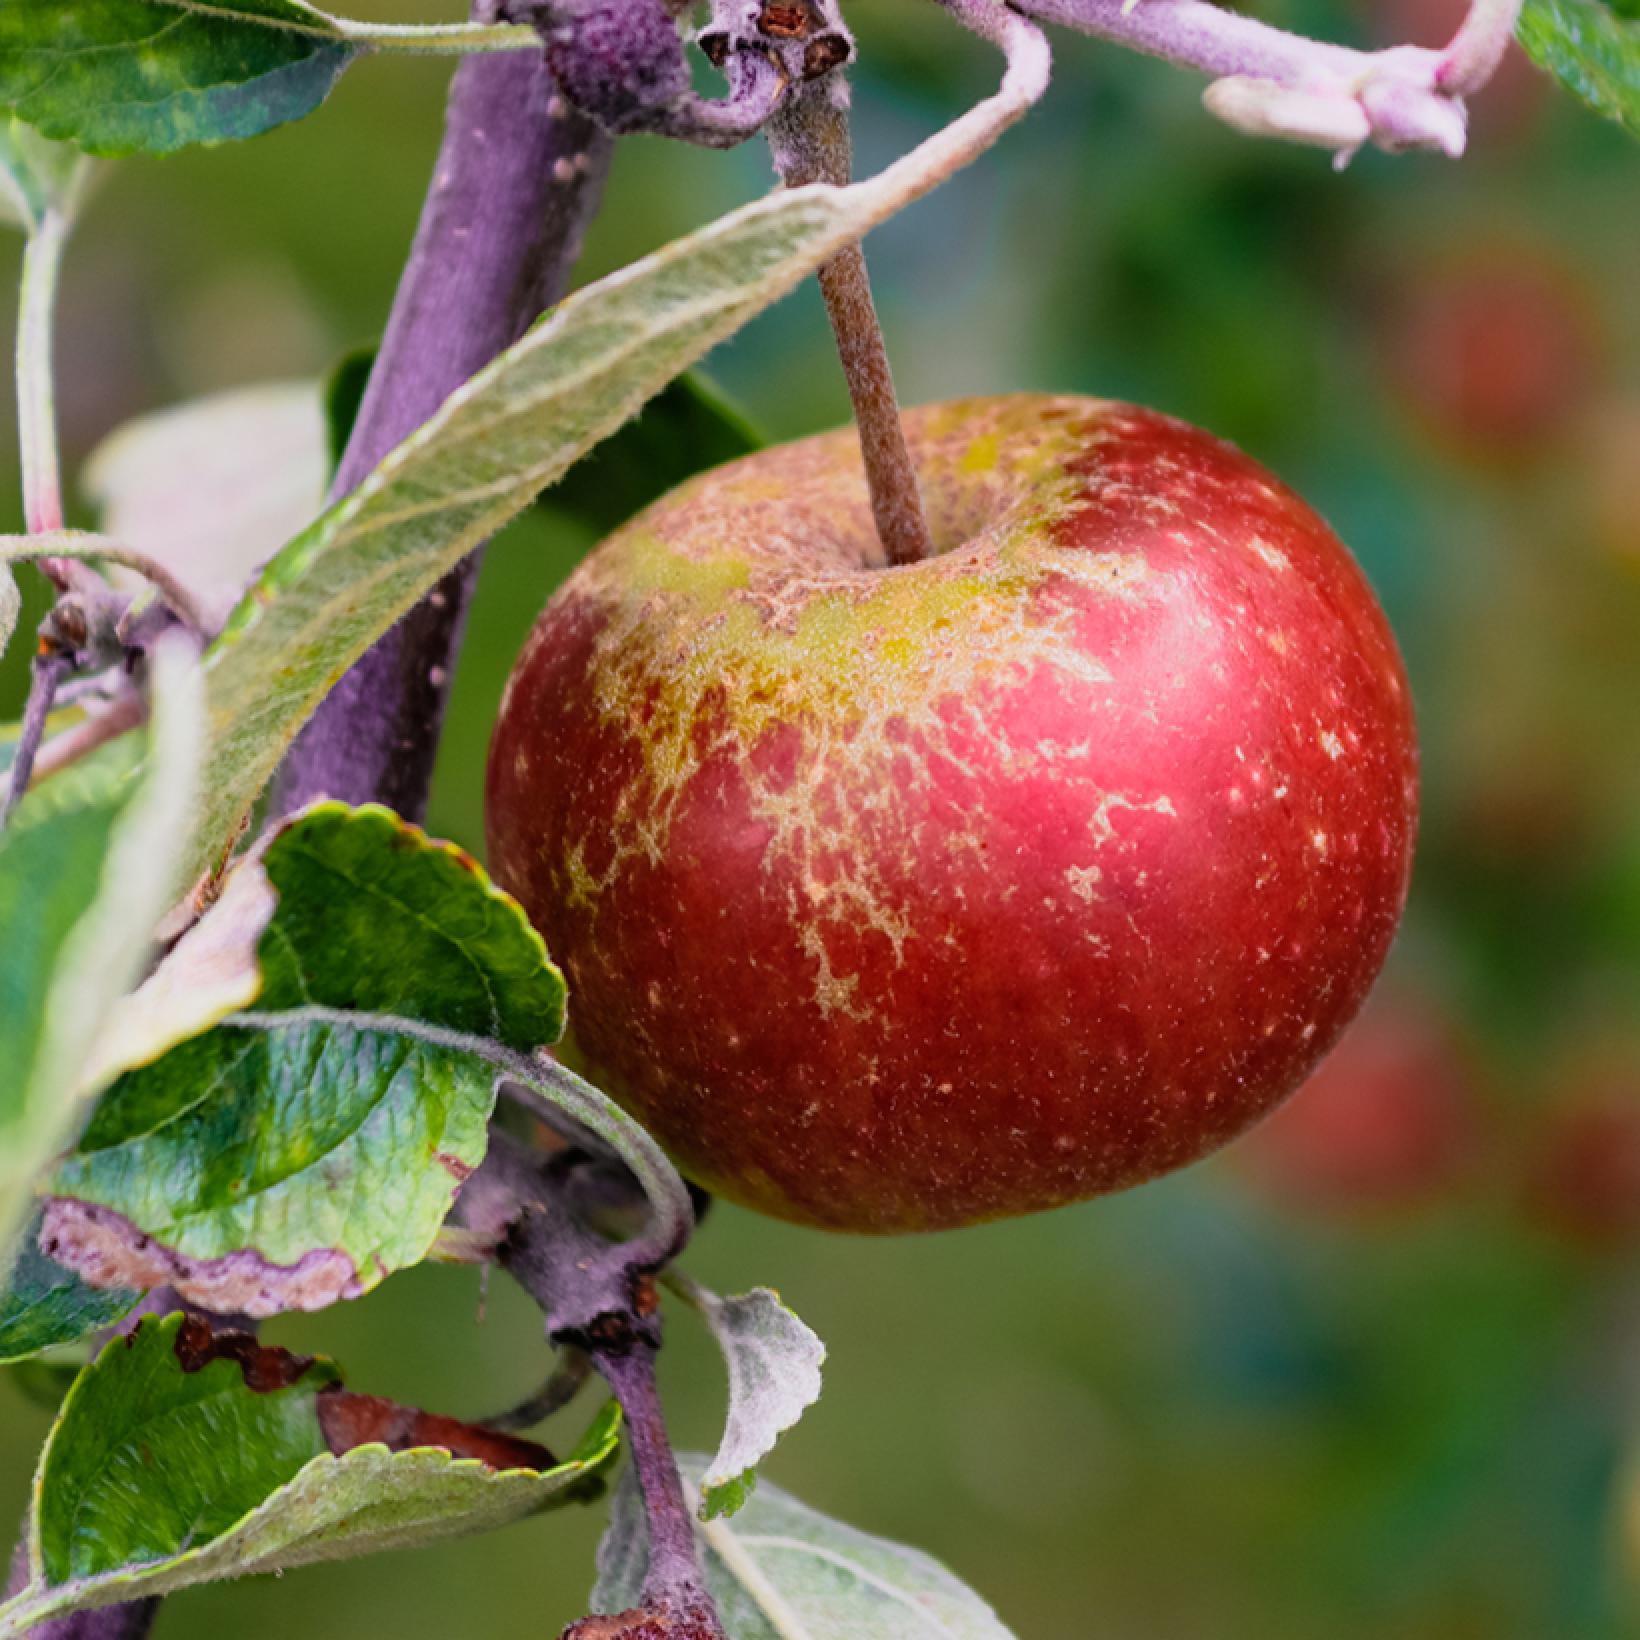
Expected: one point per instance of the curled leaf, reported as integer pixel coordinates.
(774, 1363)
(211, 488)
(184, 1455)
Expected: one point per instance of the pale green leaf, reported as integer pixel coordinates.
(57, 721)
(774, 1363)
(515, 428)
(211, 972)
(88, 866)
(163, 1473)
(210, 489)
(781, 1571)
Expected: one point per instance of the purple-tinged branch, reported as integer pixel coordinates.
(516, 181)
(51, 667)
(600, 1305)
(1272, 83)
(674, 1583)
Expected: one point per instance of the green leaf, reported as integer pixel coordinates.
(774, 1363)
(37, 177)
(44, 1306)
(210, 489)
(376, 916)
(173, 1464)
(88, 866)
(516, 428)
(1591, 50)
(781, 1571)
(686, 428)
(128, 76)
(290, 1161)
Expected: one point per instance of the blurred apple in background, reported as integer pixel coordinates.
(1494, 351)
(1613, 444)
(1389, 1122)
(1583, 1160)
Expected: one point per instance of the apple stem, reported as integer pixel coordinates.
(809, 138)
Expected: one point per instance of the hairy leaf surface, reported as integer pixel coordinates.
(774, 1363)
(11, 606)
(781, 1571)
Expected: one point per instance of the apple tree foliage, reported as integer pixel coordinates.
(259, 1072)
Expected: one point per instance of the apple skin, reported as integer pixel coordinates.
(900, 899)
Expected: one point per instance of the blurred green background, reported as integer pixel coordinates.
(1375, 1373)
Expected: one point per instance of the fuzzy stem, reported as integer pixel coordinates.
(51, 667)
(440, 39)
(809, 138)
(1476, 50)
(1273, 83)
(517, 179)
(674, 1579)
(1194, 34)
(36, 398)
(123, 714)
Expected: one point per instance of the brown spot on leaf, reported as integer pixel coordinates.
(349, 1421)
(264, 1367)
(453, 1165)
(108, 1250)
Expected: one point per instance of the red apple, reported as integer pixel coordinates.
(894, 899)
(1388, 1122)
